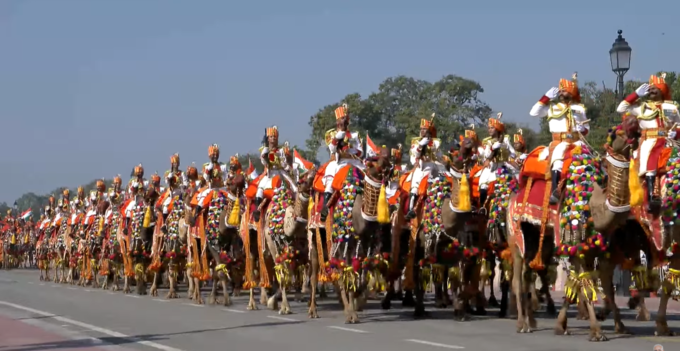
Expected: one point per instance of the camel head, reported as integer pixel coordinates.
(236, 185)
(624, 137)
(306, 181)
(379, 167)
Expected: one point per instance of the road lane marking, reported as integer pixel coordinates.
(92, 327)
(436, 344)
(72, 288)
(160, 300)
(348, 329)
(284, 319)
(41, 284)
(110, 293)
(133, 296)
(233, 310)
(54, 286)
(88, 290)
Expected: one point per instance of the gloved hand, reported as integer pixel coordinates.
(552, 93)
(265, 150)
(642, 90)
(340, 134)
(581, 128)
(523, 157)
(424, 141)
(209, 167)
(672, 134)
(496, 146)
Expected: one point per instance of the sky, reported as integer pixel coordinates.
(89, 89)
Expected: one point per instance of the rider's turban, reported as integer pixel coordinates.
(192, 172)
(519, 137)
(156, 179)
(341, 111)
(139, 170)
(80, 191)
(660, 82)
(396, 153)
(66, 193)
(174, 159)
(117, 180)
(101, 186)
(470, 134)
(496, 123)
(429, 125)
(235, 162)
(213, 150)
(273, 132)
(571, 87)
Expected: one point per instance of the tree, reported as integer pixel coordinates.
(392, 114)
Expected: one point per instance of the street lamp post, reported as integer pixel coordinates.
(619, 55)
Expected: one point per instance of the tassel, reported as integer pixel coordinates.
(310, 208)
(383, 207)
(101, 226)
(464, 204)
(235, 213)
(147, 217)
(637, 195)
(13, 240)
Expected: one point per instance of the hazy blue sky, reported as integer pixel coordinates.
(90, 88)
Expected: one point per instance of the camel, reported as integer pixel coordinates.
(529, 225)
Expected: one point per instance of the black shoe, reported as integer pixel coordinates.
(324, 208)
(555, 195)
(411, 207)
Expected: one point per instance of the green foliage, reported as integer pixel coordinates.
(392, 114)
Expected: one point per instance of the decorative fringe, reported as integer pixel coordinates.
(156, 260)
(537, 263)
(147, 217)
(235, 214)
(195, 258)
(264, 272)
(409, 282)
(249, 283)
(104, 269)
(464, 203)
(637, 195)
(205, 267)
(383, 207)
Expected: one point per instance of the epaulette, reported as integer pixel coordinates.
(415, 140)
(672, 102)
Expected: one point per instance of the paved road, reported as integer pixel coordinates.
(45, 316)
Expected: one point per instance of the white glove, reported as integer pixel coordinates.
(552, 93)
(580, 128)
(340, 135)
(496, 145)
(672, 134)
(424, 141)
(523, 157)
(265, 150)
(642, 90)
(474, 157)
(209, 167)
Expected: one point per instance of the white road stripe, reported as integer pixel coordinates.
(284, 319)
(88, 290)
(92, 327)
(133, 296)
(54, 286)
(348, 329)
(233, 310)
(41, 284)
(430, 343)
(72, 288)
(192, 304)
(160, 300)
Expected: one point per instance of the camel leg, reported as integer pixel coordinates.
(352, 312)
(345, 303)
(595, 330)
(172, 281)
(520, 293)
(116, 278)
(126, 285)
(386, 302)
(190, 282)
(642, 311)
(314, 281)
(492, 296)
(224, 281)
(322, 292)
(154, 286)
(285, 306)
(439, 292)
(661, 322)
(197, 291)
(264, 300)
(251, 301)
(273, 301)
(212, 298)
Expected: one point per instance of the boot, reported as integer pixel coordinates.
(411, 207)
(126, 225)
(653, 202)
(483, 193)
(555, 196)
(324, 209)
(256, 213)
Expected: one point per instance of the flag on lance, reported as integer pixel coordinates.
(371, 149)
(26, 214)
(251, 172)
(301, 163)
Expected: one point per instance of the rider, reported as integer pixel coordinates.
(174, 171)
(235, 168)
(275, 161)
(115, 198)
(213, 175)
(658, 117)
(170, 195)
(132, 208)
(345, 149)
(497, 152)
(392, 191)
(424, 154)
(567, 122)
(520, 148)
(137, 179)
